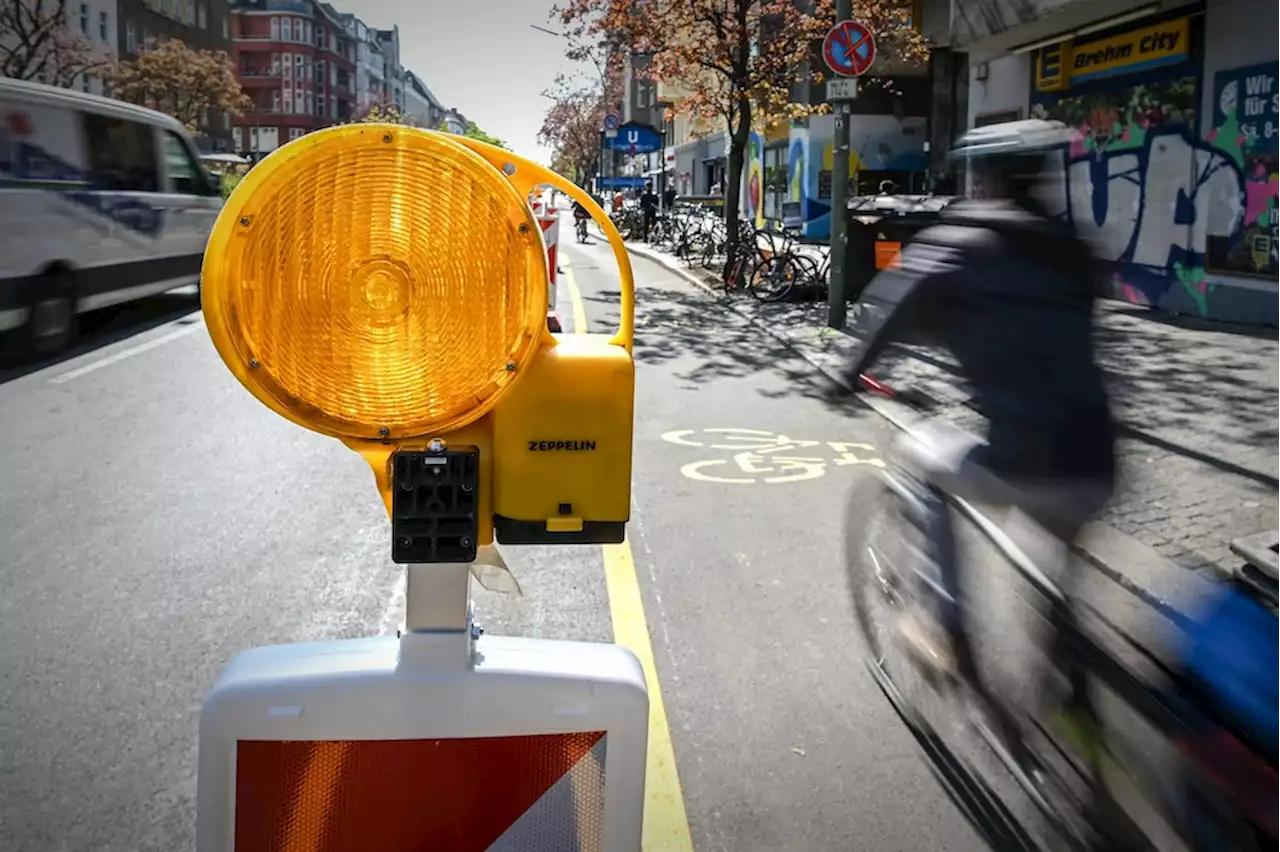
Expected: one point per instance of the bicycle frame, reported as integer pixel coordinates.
(1173, 711)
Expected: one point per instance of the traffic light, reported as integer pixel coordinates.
(387, 286)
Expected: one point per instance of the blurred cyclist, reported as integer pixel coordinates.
(1010, 293)
(580, 219)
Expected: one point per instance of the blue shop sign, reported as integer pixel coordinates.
(635, 138)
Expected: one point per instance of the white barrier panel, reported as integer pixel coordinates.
(434, 740)
(551, 237)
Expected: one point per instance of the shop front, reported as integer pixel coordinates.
(1172, 176)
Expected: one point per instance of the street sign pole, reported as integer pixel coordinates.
(836, 295)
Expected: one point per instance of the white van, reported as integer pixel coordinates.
(101, 202)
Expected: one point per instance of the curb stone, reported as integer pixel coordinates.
(1138, 569)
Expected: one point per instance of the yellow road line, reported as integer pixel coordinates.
(575, 298)
(666, 824)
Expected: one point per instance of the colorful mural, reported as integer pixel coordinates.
(753, 179)
(1169, 208)
(879, 142)
(794, 209)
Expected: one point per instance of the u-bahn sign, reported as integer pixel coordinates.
(635, 138)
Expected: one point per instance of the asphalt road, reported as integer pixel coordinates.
(156, 519)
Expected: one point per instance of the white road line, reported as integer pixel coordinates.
(127, 353)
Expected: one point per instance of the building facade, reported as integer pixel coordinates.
(98, 23)
(199, 24)
(1173, 174)
(297, 63)
(420, 106)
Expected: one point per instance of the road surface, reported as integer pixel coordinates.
(156, 519)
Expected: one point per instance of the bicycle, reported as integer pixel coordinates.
(1075, 782)
(580, 228)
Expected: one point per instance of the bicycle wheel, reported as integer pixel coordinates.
(773, 280)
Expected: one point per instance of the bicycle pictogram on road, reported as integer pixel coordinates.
(757, 456)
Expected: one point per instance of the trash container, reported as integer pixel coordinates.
(878, 227)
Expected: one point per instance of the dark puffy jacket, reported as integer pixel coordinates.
(1010, 294)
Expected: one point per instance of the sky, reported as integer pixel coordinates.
(479, 57)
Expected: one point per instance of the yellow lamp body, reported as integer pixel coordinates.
(387, 286)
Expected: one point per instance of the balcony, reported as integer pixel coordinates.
(257, 79)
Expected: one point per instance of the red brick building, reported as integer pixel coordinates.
(296, 62)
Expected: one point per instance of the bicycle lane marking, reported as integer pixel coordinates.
(759, 456)
(666, 821)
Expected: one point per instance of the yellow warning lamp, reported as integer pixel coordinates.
(387, 286)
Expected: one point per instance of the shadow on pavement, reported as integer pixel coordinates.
(111, 325)
(674, 325)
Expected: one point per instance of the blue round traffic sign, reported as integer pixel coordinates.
(611, 121)
(849, 49)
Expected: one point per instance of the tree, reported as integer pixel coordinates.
(36, 43)
(571, 129)
(383, 112)
(731, 60)
(572, 125)
(181, 82)
(473, 131)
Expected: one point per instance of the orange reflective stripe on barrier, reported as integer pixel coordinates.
(454, 794)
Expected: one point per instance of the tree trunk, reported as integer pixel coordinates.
(733, 182)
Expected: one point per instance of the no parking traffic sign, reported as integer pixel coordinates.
(849, 49)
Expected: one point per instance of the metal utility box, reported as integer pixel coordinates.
(878, 227)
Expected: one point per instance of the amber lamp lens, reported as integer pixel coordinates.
(376, 281)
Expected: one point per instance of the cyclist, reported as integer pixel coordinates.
(1010, 293)
(580, 219)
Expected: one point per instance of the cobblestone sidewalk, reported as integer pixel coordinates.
(1198, 404)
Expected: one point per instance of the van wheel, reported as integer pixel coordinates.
(51, 320)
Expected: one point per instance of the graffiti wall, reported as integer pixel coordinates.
(1183, 212)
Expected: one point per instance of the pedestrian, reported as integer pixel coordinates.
(648, 209)
(669, 198)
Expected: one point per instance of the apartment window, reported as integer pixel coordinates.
(310, 104)
(309, 69)
(296, 133)
(226, 121)
(275, 29)
(146, 39)
(287, 103)
(84, 82)
(333, 106)
(319, 36)
(102, 26)
(298, 61)
(275, 65)
(189, 12)
(288, 66)
(333, 75)
(226, 29)
(130, 38)
(299, 102)
(202, 16)
(275, 100)
(307, 38)
(84, 18)
(286, 32)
